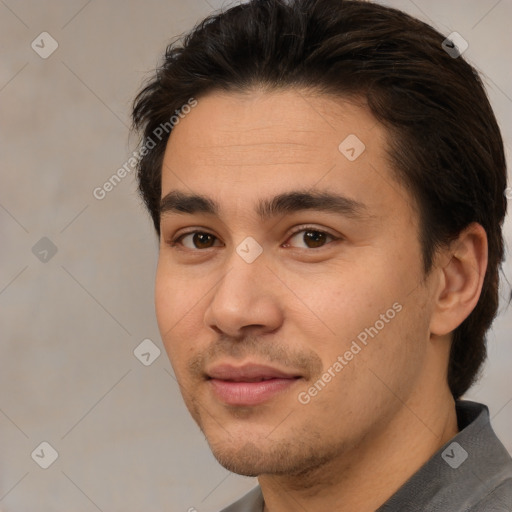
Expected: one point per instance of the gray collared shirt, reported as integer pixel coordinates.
(470, 473)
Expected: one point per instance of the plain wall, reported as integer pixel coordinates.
(69, 325)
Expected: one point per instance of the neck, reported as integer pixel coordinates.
(365, 477)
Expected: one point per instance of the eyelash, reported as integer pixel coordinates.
(176, 241)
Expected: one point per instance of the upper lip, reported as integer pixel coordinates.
(248, 372)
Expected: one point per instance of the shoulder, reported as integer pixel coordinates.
(471, 473)
(498, 500)
(481, 480)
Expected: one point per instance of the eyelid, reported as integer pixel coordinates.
(309, 227)
(175, 240)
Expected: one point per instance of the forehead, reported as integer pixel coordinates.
(236, 147)
(280, 122)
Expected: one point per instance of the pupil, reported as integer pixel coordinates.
(314, 238)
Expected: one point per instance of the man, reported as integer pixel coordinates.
(327, 181)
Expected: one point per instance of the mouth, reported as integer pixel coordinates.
(251, 384)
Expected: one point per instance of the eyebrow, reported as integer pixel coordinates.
(282, 204)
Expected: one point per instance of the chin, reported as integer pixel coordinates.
(248, 459)
(280, 457)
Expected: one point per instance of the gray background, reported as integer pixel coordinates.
(70, 325)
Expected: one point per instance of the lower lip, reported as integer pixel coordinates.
(249, 393)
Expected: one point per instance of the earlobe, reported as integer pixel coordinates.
(462, 269)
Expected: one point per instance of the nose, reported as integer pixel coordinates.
(245, 301)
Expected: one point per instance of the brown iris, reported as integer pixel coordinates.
(203, 240)
(314, 238)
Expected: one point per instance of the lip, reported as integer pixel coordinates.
(250, 384)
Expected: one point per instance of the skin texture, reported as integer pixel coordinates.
(298, 307)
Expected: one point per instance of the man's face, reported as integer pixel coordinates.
(290, 357)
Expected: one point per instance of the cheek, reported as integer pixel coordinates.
(346, 306)
(176, 312)
(165, 301)
(345, 299)
(176, 295)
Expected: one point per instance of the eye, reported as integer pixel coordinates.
(196, 240)
(309, 238)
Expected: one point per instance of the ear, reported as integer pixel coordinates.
(461, 268)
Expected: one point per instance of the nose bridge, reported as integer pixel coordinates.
(245, 268)
(242, 297)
